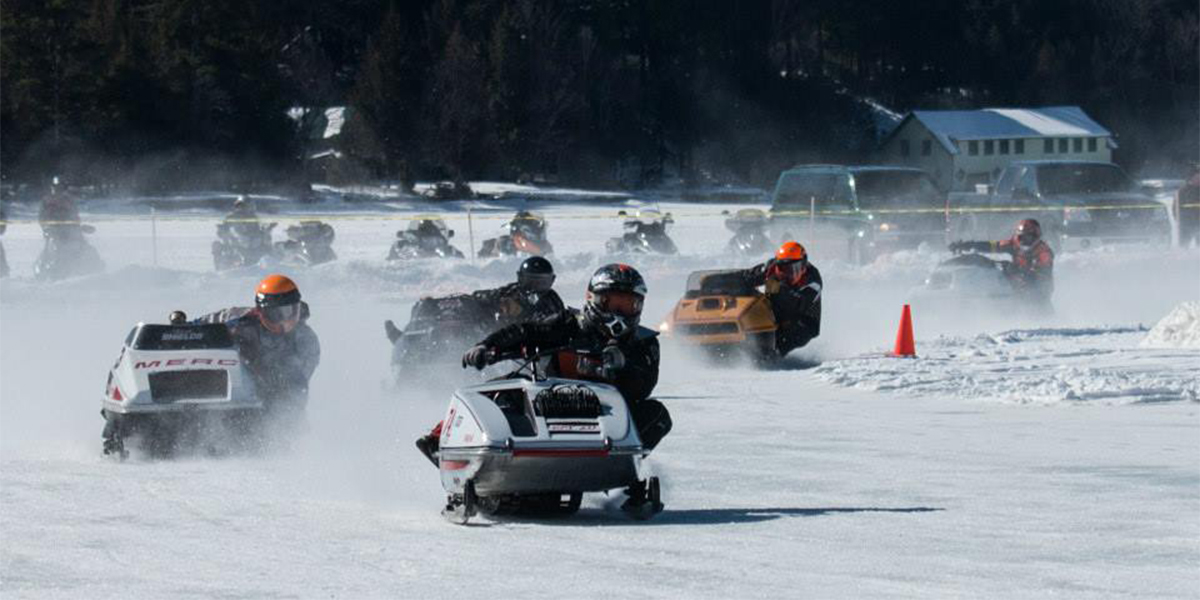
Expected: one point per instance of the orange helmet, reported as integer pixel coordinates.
(790, 251)
(278, 302)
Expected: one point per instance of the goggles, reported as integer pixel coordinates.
(1026, 238)
(537, 282)
(791, 269)
(626, 304)
(286, 313)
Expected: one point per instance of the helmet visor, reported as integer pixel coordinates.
(283, 314)
(1027, 238)
(625, 304)
(536, 282)
(792, 269)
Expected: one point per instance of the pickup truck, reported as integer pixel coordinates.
(1078, 203)
(857, 212)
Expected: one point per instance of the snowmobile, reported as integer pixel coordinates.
(438, 331)
(241, 244)
(425, 237)
(749, 227)
(645, 233)
(530, 444)
(309, 243)
(449, 190)
(720, 314)
(177, 384)
(526, 237)
(66, 253)
(973, 281)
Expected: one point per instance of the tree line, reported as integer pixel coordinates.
(178, 93)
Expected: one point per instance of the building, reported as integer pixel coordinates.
(962, 148)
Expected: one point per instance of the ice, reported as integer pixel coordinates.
(1016, 457)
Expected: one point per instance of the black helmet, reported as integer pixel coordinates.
(614, 299)
(535, 274)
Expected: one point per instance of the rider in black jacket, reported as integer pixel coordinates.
(793, 286)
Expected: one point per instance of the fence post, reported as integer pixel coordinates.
(471, 235)
(154, 234)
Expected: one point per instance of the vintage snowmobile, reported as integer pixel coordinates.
(425, 237)
(645, 233)
(309, 243)
(526, 237)
(749, 227)
(178, 385)
(723, 316)
(530, 444)
(241, 244)
(438, 331)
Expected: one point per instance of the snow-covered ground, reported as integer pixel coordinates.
(1017, 457)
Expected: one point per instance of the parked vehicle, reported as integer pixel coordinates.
(858, 212)
(1078, 203)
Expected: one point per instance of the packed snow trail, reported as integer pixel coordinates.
(776, 482)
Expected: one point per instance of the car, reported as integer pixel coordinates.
(858, 211)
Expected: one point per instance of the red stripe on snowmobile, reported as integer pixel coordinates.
(561, 453)
(454, 465)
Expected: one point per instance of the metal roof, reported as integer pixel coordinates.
(997, 123)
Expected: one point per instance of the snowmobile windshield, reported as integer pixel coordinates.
(182, 337)
(1055, 180)
(427, 227)
(717, 283)
(531, 225)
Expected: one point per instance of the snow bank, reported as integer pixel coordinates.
(1179, 329)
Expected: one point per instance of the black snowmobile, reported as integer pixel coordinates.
(66, 253)
(425, 237)
(241, 244)
(309, 243)
(749, 227)
(438, 331)
(645, 233)
(526, 237)
(449, 190)
(970, 281)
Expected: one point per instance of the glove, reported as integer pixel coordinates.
(958, 247)
(613, 360)
(479, 356)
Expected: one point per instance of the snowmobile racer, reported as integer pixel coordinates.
(602, 342)
(275, 343)
(1031, 270)
(526, 236)
(749, 227)
(425, 237)
(65, 252)
(793, 286)
(241, 239)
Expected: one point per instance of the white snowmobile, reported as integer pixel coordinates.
(972, 282)
(530, 444)
(175, 384)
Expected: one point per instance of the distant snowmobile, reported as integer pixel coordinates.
(530, 444)
(449, 190)
(749, 227)
(645, 233)
(526, 237)
(66, 253)
(425, 237)
(176, 385)
(972, 281)
(241, 244)
(309, 243)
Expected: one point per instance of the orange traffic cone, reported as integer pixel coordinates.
(905, 344)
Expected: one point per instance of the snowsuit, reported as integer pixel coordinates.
(1031, 271)
(512, 304)
(796, 304)
(280, 364)
(580, 358)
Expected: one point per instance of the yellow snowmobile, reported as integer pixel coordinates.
(720, 314)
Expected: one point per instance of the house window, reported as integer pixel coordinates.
(1091, 144)
(989, 147)
(1048, 146)
(903, 147)
(927, 147)
(1078, 144)
(1018, 146)
(973, 147)
(1064, 145)
(1003, 146)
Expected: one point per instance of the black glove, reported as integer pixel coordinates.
(958, 247)
(479, 356)
(613, 359)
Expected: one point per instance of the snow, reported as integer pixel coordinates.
(1179, 329)
(1016, 457)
